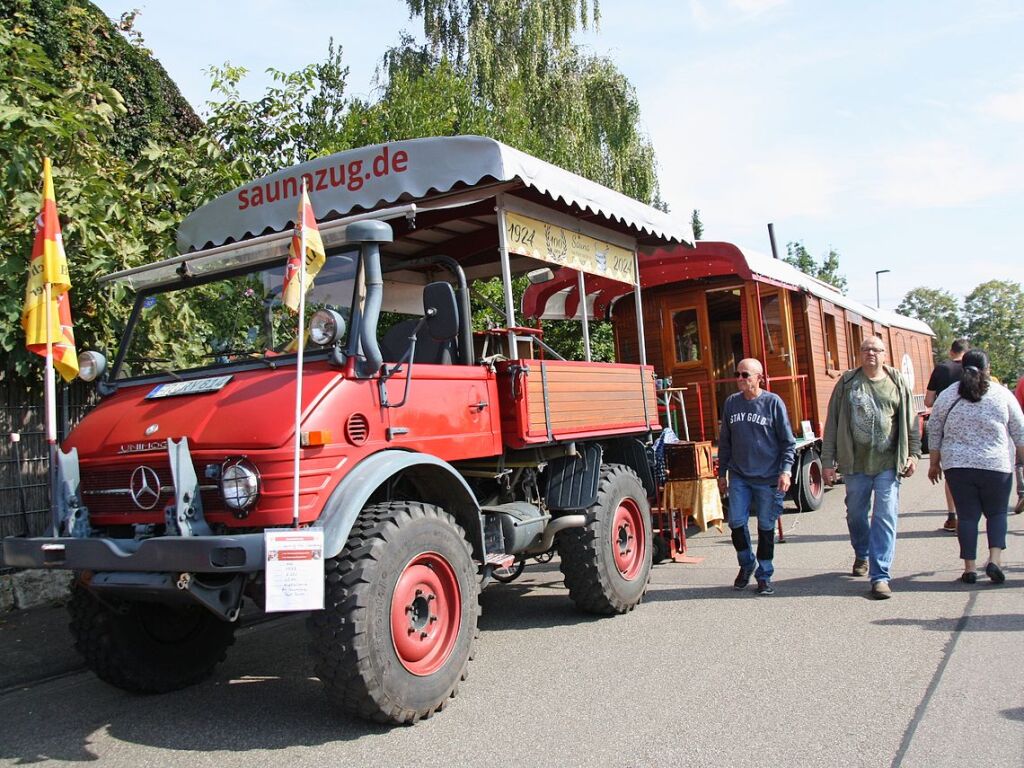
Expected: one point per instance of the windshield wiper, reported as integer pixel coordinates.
(165, 371)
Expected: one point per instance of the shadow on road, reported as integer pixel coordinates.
(998, 622)
(830, 584)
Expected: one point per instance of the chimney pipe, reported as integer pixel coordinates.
(771, 236)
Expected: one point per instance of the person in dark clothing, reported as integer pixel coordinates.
(756, 449)
(945, 374)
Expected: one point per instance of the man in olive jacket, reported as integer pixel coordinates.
(871, 435)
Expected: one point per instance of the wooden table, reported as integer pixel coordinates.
(698, 499)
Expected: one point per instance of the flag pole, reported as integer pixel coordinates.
(50, 404)
(298, 361)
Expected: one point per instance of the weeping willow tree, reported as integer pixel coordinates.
(532, 88)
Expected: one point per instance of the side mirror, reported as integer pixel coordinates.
(440, 311)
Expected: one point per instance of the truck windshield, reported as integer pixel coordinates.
(235, 320)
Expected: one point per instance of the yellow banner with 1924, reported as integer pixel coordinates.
(557, 245)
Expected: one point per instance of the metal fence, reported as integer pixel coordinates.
(24, 463)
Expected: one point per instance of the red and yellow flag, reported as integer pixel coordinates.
(305, 232)
(49, 265)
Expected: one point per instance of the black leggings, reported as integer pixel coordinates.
(976, 492)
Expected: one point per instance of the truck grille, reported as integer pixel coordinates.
(108, 491)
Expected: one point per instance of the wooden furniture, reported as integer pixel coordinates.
(689, 461)
(699, 499)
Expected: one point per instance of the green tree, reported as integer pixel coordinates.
(117, 212)
(697, 224)
(827, 271)
(940, 309)
(994, 315)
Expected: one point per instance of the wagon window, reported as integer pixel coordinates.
(855, 336)
(832, 361)
(686, 335)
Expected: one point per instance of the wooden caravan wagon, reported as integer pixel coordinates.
(707, 308)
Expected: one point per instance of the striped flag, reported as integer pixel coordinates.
(49, 321)
(306, 241)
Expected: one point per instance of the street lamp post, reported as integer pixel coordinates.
(878, 295)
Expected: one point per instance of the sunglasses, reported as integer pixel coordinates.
(744, 374)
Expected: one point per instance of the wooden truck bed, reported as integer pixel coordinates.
(544, 401)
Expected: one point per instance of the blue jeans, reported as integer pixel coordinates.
(767, 498)
(874, 541)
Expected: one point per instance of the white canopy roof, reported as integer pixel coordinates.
(784, 272)
(402, 171)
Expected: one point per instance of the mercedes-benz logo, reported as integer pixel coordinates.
(145, 487)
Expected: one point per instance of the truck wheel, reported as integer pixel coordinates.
(147, 647)
(811, 492)
(607, 563)
(396, 635)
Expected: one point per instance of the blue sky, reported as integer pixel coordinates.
(890, 131)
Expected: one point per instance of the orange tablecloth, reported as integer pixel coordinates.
(697, 498)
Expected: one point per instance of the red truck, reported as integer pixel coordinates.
(431, 453)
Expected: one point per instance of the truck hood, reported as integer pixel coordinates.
(255, 409)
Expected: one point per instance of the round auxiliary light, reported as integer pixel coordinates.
(326, 327)
(239, 485)
(91, 365)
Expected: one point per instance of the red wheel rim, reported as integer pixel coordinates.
(426, 611)
(816, 483)
(629, 544)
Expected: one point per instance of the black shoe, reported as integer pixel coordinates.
(764, 587)
(995, 573)
(969, 577)
(743, 578)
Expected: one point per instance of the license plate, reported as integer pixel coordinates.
(193, 387)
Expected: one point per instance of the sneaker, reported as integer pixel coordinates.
(880, 590)
(949, 525)
(764, 587)
(1020, 506)
(969, 577)
(860, 567)
(743, 578)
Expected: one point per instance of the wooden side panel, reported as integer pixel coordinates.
(823, 380)
(582, 400)
(911, 352)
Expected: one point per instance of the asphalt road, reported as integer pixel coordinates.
(817, 675)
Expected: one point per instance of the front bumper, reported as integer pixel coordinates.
(165, 554)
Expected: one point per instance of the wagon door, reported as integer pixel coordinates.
(776, 339)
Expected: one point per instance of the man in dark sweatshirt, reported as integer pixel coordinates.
(756, 447)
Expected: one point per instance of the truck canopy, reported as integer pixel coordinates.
(368, 178)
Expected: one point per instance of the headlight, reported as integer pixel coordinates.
(326, 327)
(240, 486)
(91, 365)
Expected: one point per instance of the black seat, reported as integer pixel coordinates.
(396, 342)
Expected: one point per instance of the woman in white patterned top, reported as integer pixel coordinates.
(972, 425)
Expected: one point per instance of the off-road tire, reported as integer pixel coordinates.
(146, 647)
(618, 521)
(354, 647)
(811, 486)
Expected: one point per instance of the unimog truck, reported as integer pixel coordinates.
(433, 450)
